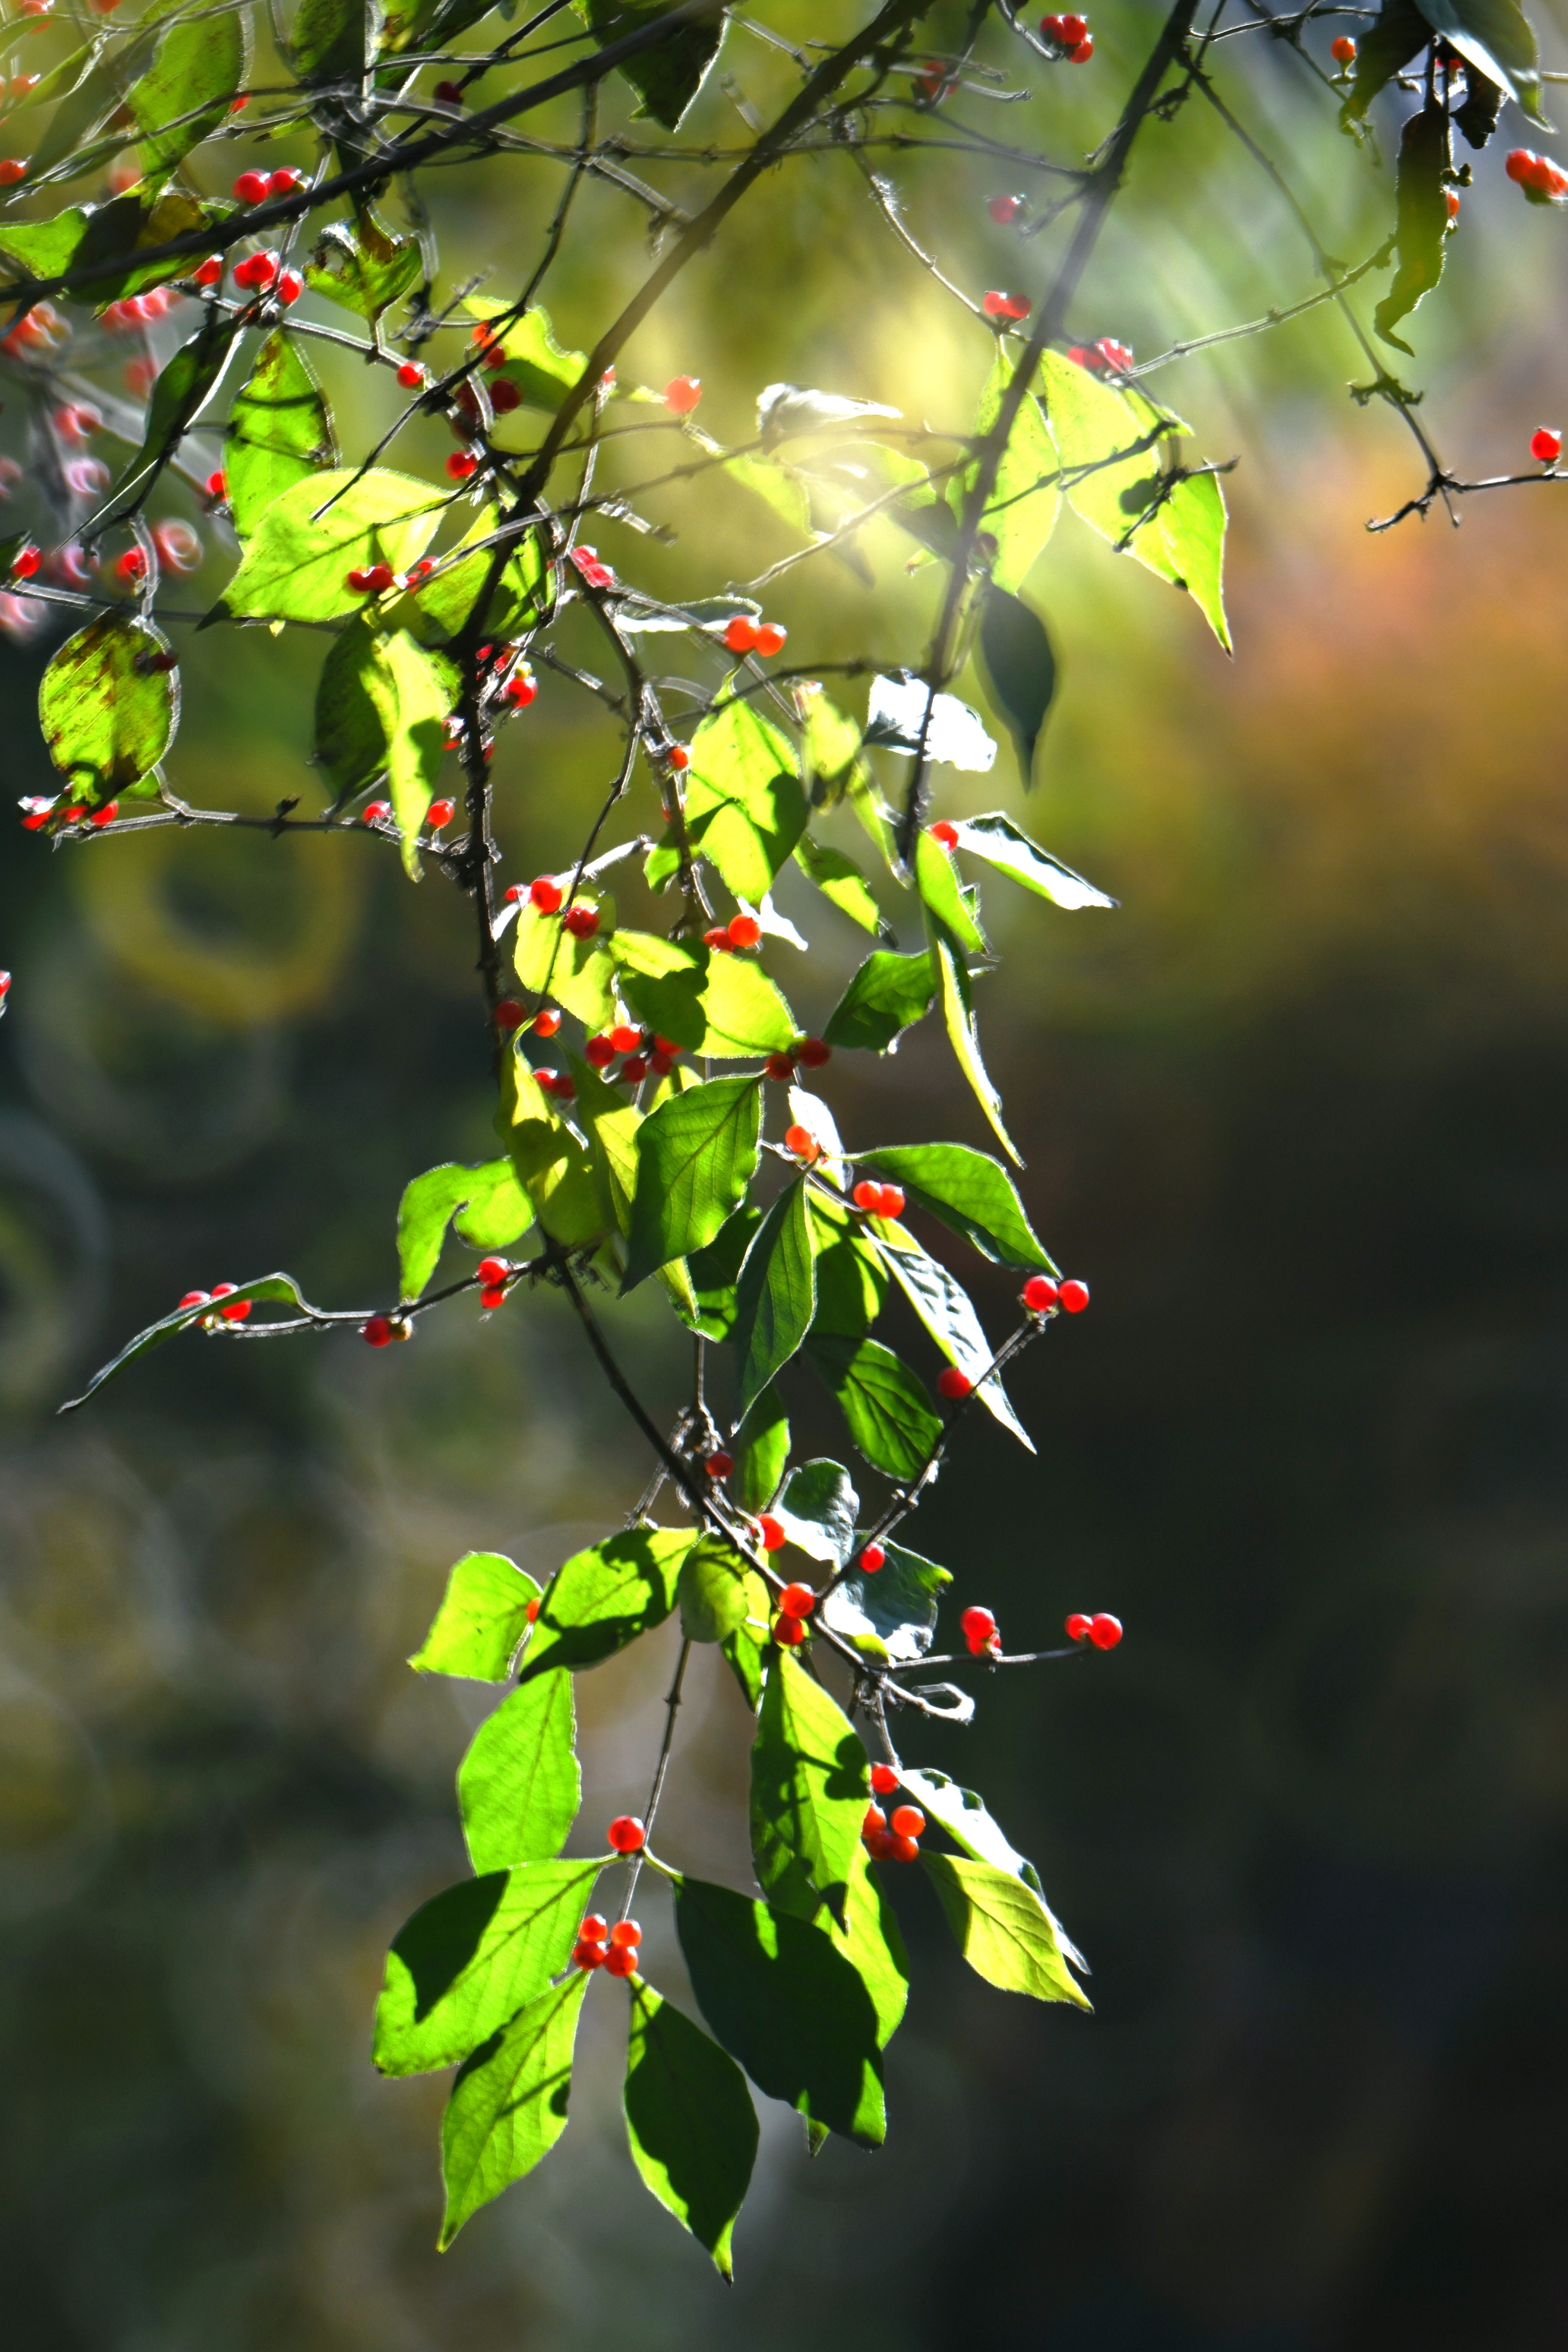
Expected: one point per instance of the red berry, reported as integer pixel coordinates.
(588, 1956)
(680, 757)
(811, 1054)
(878, 1845)
(546, 1021)
(251, 188)
(1073, 1296)
(681, 394)
(900, 1849)
(378, 1330)
(667, 1046)
(954, 1384)
(411, 376)
(868, 1196)
(1082, 54)
(1039, 1293)
(491, 1271)
(27, 560)
(1005, 210)
(520, 688)
(595, 1929)
(131, 565)
(720, 1464)
(599, 1053)
(625, 1834)
(104, 815)
(780, 1067)
(771, 637)
(256, 272)
(717, 938)
(876, 1818)
(625, 1039)
(907, 1821)
(460, 465)
(797, 1600)
(788, 1633)
(284, 182)
(1451, 198)
(504, 397)
(493, 1298)
(1052, 28)
(218, 485)
(661, 1064)
(290, 285)
(891, 1204)
(1104, 1631)
(626, 1932)
(532, 1611)
(884, 1779)
(801, 1143)
(1546, 445)
(634, 1069)
(1343, 50)
(741, 635)
(1078, 1627)
(743, 930)
(871, 1559)
(945, 832)
(210, 271)
(621, 1960)
(977, 1625)
(192, 1298)
(1074, 30)
(769, 1532)
(12, 170)
(509, 1015)
(582, 921)
(446, 93)
(238, 1309)
(546, 894)
(439, 813)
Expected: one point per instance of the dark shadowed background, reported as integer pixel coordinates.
(1299, 1112)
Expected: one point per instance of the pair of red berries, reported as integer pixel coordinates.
(381, 1330)
(1102, 1630)
(1040, 1294)
(1539, 178)
(743, 636)
(892, 1841)
(258, 272)
(739, 932)
(811, 1052)
(492, 1275)
(1070, 35)
(600, 1945)
(557, 1083)
(256, 187)
(370, 579)
(1008, 308)
(796, 1602)
(978, 1627)
(802, 1143)
(237, 1313)
(1107, 357)
(594, 573)
(1546, 445)
(878, 1199)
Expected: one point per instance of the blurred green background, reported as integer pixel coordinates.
(1297, 1111)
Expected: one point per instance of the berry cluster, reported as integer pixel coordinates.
(796, 1602)
(878, 1199)
(802, 1143)
(237, 1313)
(1005, 308)
(1539, 178)
(1107, 357)
(594, 573)
(891, 1840)
(382, 1329)
(747, 636)
(741, 932)
(1041, 1294)
(1069, 37)
(641, 1050)
(600, 1945)
(1102, 1630)
(981, 1636)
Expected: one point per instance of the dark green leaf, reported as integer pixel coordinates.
(1423, 219)
(696, 1156)
(715, 1272)
(668, 76)
(1478, 117)
(809, 1793)
(817, 1511)
(708, 1000)
(762, 1450)
(946, 1309)
(887, 996)
(893, 1614)
(968, 1191)
(1383, 49)
(887, 1412)
(203, 62)
(1004, 1929)
(1019, 668)
(1002, 844)
(334, 40)
(490, 1206)
(482, 1622)
(472, 1957)
(745, 808)
(92, 235)
(605, 1597)
(519, 1787)
(297, 564)
(782, 2000)
(775, 1298)
(281, 1287)
(280, 431)
(181, 393)
(1495, 37)
(690, 2121)
(714, 1597)
(507, 2107)
(107, 715)
(851, 1280)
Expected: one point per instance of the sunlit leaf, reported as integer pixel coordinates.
(886, 996)
(607, 1596)
(519, 1787)
(968, 1191)
(311, 536)
(482, 1622)
(775, 1296)
(963, 1031)
(891, 1613)
(886, 1410)
(1000, 842)
(946, 1309)
(745, 808)
(472, 1957)
(809, 1793)
(817, 1511)
(507, 2107)
(187, 94)
(489, 1205)
(696, 1156)
(108, 707)
(1004, 1929)
(279, 432)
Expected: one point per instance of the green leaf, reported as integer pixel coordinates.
(696, 1156)
(937, 880)
(762, 1450)
(519, 600)
(605, 1597)
(494, 1211)
(775, 1298)
(968, 1191)
(999, 841)
(886, 996)
(554, 1166)
(472, 1957)
(411, 699)
(841, 883)
(886, 1410)
(279, 432)
(507, 2107)
(1422, 230)
(745, 808)
(891, 1614)
(201, 66)
(967, 1822)
(83, 110)
(91, 235)
(716, 1270)
(963, 1032)
(668, 76)
(1019, 670)
(551, 961)
(1495, 37)
(690, 2123)
(482, 1622)
(334, 40)
(816, 1510)
(1004, 1930)
(181, 393)
(1383, 49)
(612, 1124)
(1192, 525)
(350, 743)
(870, 1942)
(297, 564)
(1109, 444)
(1022, 512)
(707, 1000)
(519, 1787)
(783, 2001)
(946, 1309)
(535, 362)
(714, 1598)
(281, 1287)
(108, 718)
(364, 268)
(830, 743)
(809, 1793)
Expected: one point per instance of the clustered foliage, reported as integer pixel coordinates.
(676, 1142)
